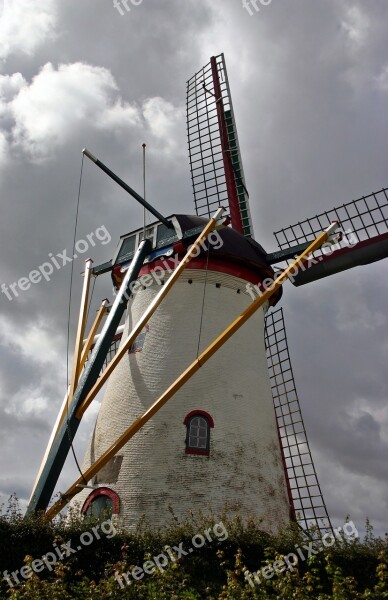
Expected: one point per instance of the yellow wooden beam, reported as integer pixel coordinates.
(81, 327)
(63, 410)
(85, 351)
(188, 373)
(211, 225)
(102, 311)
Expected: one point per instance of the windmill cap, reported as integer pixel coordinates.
(229, 252)
(237, 249)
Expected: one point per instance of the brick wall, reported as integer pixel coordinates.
(244, 467)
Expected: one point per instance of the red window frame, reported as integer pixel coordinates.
(103, 491)
(187, 420)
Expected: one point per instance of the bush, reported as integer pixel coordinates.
(220, 569)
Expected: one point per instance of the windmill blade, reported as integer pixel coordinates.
(215, 161)
(364, 223)
(304, 491)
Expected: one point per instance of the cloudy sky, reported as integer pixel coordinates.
(310, 88)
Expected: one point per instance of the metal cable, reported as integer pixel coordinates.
(203, 300)
(68, 319)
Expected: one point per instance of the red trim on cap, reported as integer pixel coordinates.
(248, 273)
(229, 268)
(179, 247)
(103, 491)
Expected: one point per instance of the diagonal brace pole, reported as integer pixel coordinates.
(64, 407)
(64, 438)
(101, 313)
(81, 327)
(103, 310)
(128, 189)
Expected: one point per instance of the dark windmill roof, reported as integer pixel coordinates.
(236, 248)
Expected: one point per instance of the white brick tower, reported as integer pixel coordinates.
(215, 442)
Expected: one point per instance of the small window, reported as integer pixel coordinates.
(198, 424)
(127, 249)
(102, 503)
(164, 233)
(138, 344)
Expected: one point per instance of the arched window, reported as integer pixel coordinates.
(198, 424)
(101, 503)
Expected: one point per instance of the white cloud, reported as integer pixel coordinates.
(119, 116)
(361, 34)
(39, 345)
(162, 118)
(382, 79)
(10, 85)
(356, 26)
(25, 25)
(3, 148)
(52, 108)
(37, 341)
(44, 114)
(28, 402)
(355, 315)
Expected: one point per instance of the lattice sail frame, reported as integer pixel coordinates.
(208, 147)
(303, 487)
(361, 220)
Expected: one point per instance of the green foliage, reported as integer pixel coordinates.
(350, 569)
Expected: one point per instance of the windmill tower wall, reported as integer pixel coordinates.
(153, 472)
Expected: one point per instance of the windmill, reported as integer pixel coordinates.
(176, 428)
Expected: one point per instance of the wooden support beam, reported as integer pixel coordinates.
(63, 410)
(81, 327)
(102, 311)
(211, 225)
(189, 372)
(92, 369)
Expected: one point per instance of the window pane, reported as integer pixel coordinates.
(102, 506)
(165, 233)
(198, 433)
(127, 248)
